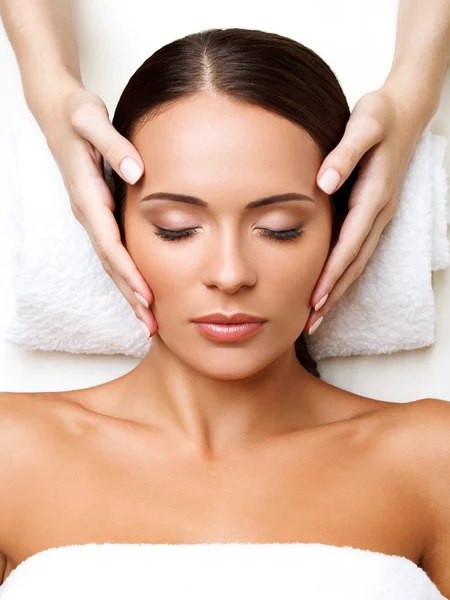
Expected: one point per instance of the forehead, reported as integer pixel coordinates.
(215, 139)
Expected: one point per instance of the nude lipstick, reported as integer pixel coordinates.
(228, 328)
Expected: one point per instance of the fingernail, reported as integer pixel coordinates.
(321, 302)
(130, 170)
(315, 326)
(142, 300)
(329, 181)
(144, 329)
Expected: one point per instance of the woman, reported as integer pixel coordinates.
(381, 133)
(221, 425)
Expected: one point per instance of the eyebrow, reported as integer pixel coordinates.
(199, 202)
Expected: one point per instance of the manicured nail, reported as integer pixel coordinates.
(315, 326)
(130, 170)
(144, 329)
(329, 181)
(321, 302)
(142, 300)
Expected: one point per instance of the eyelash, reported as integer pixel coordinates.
(286, 235)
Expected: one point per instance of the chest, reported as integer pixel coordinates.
(327, 488)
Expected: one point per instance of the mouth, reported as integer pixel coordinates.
(232, 319)
(228, 332)
(228, 328)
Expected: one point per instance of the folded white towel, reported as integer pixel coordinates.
(65, 301)
(223, 571)
(390, 307)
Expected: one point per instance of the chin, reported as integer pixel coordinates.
(229, 363)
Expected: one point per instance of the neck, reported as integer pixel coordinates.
(214, 416)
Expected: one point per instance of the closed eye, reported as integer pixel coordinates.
(283, 235)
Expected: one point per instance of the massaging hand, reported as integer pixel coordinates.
(79, 135)
(380, 135)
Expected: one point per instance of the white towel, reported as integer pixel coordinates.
(391, 307)
(222, 571)
(65, 301)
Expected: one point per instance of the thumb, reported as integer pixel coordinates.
(93, 124)
(340, 162)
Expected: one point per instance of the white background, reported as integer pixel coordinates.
(355, 38)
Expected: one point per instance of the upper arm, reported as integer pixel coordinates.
(433, 459)
(2, 567)
(5, 405)
(13, 431)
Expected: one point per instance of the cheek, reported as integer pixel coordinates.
(166, 269)
(302, 265)
(163, 265)
(165, 274)
(295, 283)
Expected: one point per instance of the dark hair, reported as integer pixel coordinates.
(265, 69)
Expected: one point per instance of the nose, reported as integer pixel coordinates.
(230, 264)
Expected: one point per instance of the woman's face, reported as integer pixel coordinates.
(228, 154)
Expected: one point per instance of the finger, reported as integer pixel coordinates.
(98, 220)
(145, 315)
(355, 269)
(91, 121)
(106, 236)
(118, 264)
(361, 134)
(354, 232)
(86, 184)
(368, 198)
(94, 205)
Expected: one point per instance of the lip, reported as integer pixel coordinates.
(234, 318)
(228, 332)
(228, 328)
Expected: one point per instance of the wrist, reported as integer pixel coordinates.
(416, 95)
(46, 96)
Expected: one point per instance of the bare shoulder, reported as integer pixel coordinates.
(433, 456)
(416, 434)
(34, 427)
(16, 424)
(27, 415)
(419, 429)
(17, 434)
(417, 440)
(410, 437)
(26, 420)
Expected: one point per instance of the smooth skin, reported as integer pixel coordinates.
(188, 447)
(204, 441)
(382, 132)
